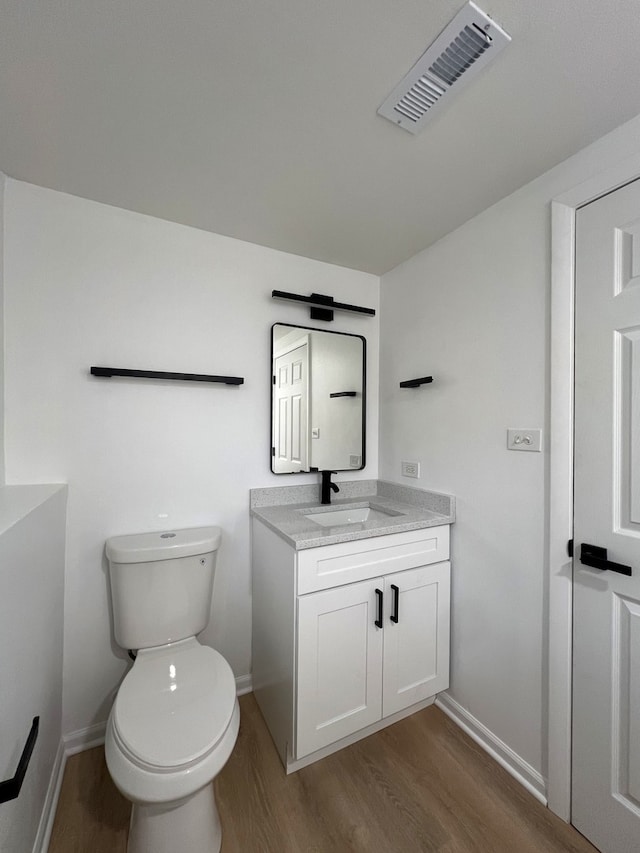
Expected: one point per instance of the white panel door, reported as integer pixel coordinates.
(291, 411)
(606, 695)
(416, 646)
(339, 664)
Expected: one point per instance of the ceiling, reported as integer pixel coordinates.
(257, 118)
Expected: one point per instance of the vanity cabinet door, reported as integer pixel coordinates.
(339, 668)
(416, 647)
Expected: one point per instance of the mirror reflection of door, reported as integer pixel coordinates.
(291, 404)
(318, 397)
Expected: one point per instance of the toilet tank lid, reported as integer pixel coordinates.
(163, 545)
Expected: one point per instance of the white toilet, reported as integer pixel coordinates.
(175, 720)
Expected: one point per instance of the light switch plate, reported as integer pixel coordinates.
(524, 439)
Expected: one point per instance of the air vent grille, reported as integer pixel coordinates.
(461, 53)
(424, 93)
(464, 47)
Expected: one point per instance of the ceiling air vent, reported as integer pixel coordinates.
(460, 52)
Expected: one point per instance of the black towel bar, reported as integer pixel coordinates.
(415, 383)
(108, 372)
(10, 788)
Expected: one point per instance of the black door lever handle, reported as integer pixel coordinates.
(596, 557)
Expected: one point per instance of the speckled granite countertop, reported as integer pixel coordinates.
(283, 509)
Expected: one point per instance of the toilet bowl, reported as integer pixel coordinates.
(175, 719)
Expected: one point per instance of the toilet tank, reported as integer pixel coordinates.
(161, 585)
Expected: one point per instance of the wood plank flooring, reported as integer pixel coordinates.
(420, 785)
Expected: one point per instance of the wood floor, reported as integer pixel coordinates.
(420, 785)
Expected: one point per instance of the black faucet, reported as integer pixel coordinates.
(327, 486)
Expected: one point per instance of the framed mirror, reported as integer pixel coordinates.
(317, 400)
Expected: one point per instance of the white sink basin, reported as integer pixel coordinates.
(340, 517)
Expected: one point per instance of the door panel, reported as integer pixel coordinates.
(291, 411)
(626, 699)
(416, 647)
(627, 249)
(339, 664)
(606, 684)
(627, 368)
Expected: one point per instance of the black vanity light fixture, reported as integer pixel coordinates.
(416, 383)
(322, 307)
(108, 372)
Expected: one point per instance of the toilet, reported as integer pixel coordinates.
(175, 719)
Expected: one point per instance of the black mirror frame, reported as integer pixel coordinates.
(364, 399)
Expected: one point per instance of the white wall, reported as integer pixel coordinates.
(2, 185)
(87, 284)
(32, 524)
(473, 310)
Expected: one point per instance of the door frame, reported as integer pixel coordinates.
(560, 494)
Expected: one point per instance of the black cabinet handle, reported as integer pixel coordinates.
(10, 788)
(596, 557)
(396, 603)
(378, 622)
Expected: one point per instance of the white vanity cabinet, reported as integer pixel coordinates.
(347, 637)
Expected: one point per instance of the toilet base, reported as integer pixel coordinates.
(191, 825)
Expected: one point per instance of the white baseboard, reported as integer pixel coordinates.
(43, 835)
(83, 739)
(497, 749)
(69, 744)
(244, 684)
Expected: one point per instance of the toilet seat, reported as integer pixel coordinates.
(174, 707)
